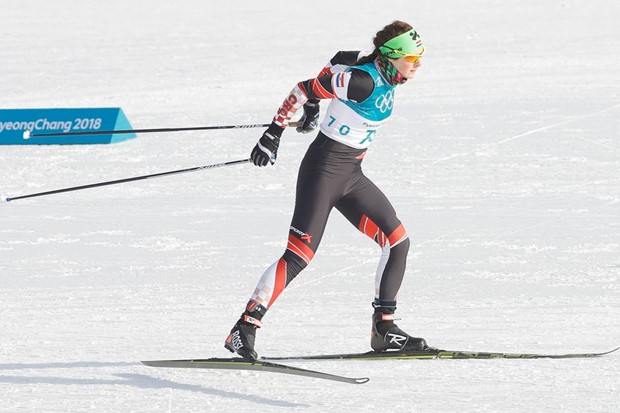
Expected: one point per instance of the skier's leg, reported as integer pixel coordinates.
(370, 211)
(313, 204)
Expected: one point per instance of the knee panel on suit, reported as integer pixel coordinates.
(372, 230)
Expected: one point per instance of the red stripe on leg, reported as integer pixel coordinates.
(397, 236)
(298, 247)
(280, 283)
(368, 227)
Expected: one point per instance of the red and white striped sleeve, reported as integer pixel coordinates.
(332, 82)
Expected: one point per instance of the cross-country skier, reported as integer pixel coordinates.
(361, 89)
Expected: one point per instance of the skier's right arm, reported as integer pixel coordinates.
(353, 85)
(309, 121)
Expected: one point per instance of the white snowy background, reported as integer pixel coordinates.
(502, 160)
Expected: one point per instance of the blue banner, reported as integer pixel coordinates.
(14, 122)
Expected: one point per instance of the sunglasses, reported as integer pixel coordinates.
(411, 58)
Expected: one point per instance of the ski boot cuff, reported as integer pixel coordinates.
(384, 306)
(254, 313)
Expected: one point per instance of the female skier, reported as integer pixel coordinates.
(361, 89)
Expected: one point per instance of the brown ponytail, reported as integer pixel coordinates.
(388, 32)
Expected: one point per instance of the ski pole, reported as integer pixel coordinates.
(28, 134)
(121, 181)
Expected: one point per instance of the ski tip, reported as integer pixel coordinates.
(361, 380)
(604, 353)
(612, 351)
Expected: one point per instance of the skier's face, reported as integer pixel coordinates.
(406, 68)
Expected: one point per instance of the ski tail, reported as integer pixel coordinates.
(255, 365)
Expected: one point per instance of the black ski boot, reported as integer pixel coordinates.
(386, 335)
(243, 334)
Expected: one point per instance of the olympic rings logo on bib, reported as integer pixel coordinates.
(385, 102)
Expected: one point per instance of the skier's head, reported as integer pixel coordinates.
(397, 50)
(406, 44)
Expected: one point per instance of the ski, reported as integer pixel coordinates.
(439, 354)
(256, 365)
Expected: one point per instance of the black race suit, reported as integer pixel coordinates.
(330, 177)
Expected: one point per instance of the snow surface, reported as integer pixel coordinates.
(502, 159)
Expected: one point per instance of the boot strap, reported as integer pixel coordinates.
(251, 320)
(387, 317)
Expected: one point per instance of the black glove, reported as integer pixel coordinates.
(266, 148)
(310, 119)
